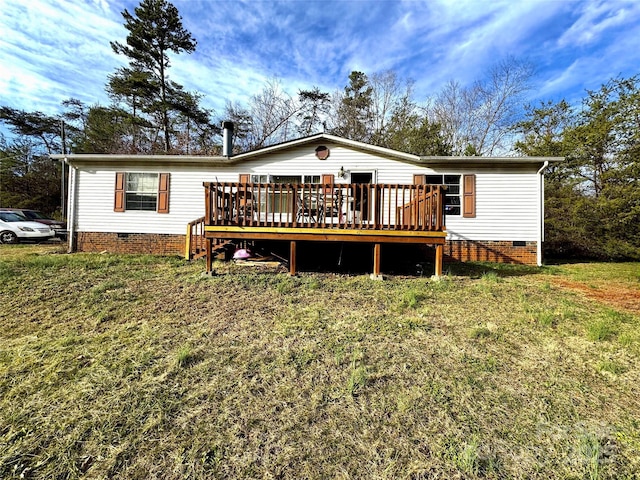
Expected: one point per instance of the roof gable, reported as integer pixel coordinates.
(352, 144)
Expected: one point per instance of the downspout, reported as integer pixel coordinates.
(71, 207)
(541, 212)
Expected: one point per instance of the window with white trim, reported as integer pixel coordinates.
(141, 191)
(285, 179)
(279, 201)
(452, 194)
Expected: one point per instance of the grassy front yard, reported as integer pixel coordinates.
(140, 367)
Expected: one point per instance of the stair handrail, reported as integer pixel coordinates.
(195, 244)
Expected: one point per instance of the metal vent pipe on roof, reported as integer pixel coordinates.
(227, 138)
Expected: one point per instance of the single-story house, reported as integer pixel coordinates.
(317, 188)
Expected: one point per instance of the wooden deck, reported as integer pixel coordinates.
(371, 213)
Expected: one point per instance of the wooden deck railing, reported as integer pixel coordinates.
(333, 206)
(195, 243)
(421, 208)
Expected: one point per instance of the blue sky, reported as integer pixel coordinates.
(51, 50)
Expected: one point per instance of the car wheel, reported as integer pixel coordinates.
(8, 237)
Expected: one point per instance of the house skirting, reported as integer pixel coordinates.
(491, 251)
(152, 243)
(169, 244)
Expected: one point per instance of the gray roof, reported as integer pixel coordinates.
(364, 147)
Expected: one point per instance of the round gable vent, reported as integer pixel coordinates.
(322, 152)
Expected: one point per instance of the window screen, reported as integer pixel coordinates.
(141, 191)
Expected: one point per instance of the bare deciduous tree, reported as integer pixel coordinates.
(272, 112)
(364, 110)
(388, 93)
(478, 120)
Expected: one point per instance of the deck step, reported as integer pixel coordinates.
(219, 246)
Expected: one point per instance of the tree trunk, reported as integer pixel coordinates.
(165, 113)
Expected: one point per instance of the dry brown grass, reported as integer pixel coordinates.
(140, 367)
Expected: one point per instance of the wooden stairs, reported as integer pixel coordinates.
(196, 245)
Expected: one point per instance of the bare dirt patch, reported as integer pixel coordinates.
(616, 295)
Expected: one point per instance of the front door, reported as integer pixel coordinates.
(361, 194)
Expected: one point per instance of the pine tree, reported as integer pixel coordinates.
(354, 112)
(314, 106)
(154, 31)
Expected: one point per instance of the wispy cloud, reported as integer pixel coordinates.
(600, 43)
(596, 19)
(51, 50)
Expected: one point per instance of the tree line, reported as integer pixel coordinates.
(592, 199)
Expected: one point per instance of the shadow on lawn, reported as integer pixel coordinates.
(478, 269)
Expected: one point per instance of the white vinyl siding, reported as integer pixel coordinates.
(506, 196)
(506, 209)
(95, 200)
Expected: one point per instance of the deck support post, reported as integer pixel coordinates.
(209, 246)
(439, 254)
(376, 262)
(292, 258)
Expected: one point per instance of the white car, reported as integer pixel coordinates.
(14, 228)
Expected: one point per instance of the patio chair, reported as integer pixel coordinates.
(246, 208)
(309, 208)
